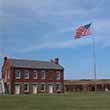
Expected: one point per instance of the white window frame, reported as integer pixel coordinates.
(17, 72)
(43, 74)
(59, 88)
(35, 72)
(44, 87)
(58, 75)
(26, 72)
(27, 87)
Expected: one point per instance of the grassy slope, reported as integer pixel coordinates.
(73, 101)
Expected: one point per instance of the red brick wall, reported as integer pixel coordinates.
(50, 78)
(8, 74)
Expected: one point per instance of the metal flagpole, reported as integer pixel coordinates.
(94, 60)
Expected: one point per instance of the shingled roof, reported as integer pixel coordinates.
(19, 63)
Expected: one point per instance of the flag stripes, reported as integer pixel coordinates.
(83, 31)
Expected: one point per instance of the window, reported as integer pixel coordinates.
(58, 75)
(26, 74)
(43, 75)
(17, 74)
(35, 74)
(43, 87)
(26, 87)
(58, 87)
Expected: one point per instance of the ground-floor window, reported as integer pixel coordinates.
(26, 87)
(58, 87)
(43, 87)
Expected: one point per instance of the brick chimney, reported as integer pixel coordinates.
(56, 60)
(5, 58)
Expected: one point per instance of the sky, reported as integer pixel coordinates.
(45, 29)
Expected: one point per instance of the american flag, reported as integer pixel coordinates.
(83, 31)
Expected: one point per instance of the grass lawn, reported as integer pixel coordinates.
(67, 101)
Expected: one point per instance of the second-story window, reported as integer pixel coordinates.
(43, 75)
(58, 75)
(17, 74)
(26, 74)
(35, 74)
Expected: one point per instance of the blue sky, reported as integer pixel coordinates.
(44, 29)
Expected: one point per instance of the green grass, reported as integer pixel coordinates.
(67, 101)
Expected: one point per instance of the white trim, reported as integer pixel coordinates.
(26, 72)
(17, 72)
(27, 87)
(35, 72)
(58, 75)
(44, 87)
(43, 74)
(59, 87)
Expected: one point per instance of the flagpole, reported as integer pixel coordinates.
(94, 60)
(84, 31)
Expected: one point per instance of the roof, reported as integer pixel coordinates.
(19, 63)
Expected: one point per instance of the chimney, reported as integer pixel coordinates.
(5, 58)
(56, 60)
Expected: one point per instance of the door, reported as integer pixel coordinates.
(34, 88)
(51, 89)
(17, 89)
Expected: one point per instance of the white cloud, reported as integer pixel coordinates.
(51, 11)
(101, 26)
(51, 7)
(61, 44)
(58, 14)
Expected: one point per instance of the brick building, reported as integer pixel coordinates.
(86, 85)
(32, 77)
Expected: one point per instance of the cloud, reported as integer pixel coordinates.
(100, 31)
(59, 17)
(46, 8)
(49, 11)
(55, 14)
(57, 45)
